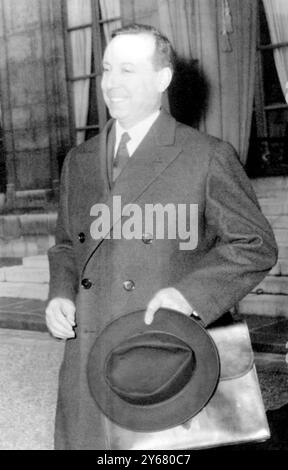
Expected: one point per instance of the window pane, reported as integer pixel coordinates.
(78, 12)
(2, 161)
(277, 122)
(264, 29)
(272, 88)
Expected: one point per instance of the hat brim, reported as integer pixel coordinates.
(174, 411)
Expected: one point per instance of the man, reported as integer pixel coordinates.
(97, 274)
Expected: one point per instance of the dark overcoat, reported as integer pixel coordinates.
(174, 164)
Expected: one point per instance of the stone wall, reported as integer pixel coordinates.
(33, 92)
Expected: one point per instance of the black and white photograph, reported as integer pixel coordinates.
(144, 228)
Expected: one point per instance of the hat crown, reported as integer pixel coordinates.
(149, 368)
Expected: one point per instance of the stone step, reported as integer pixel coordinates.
(27, 280)
(273, 208)
(270, 305)
(39, 261)
(278, 221)
(272, 194)
(283, 251)
(273, 285)
(281, 235)
(24, 274)
(280, 268)
(26, 246)
(13, 226)
(24, 290)
(277, 198)
(270, 185)
(26, 234)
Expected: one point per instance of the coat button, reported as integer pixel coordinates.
(86, 283)
(81, 237)
(147, 238)
(129, 285)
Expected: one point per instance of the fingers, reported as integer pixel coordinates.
(152, 307)
(167, 298)
(60, 318)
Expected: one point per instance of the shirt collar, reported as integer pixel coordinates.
(136, 133)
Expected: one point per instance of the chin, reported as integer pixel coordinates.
(116, 113)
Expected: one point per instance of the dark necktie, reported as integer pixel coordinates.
(122, 156)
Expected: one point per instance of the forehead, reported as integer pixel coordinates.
(130, 48)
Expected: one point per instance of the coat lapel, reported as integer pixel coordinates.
(154, 154)
(94, 164)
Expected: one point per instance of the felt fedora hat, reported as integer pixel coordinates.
(152, 377)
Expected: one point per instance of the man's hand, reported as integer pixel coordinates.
(167, 298)
(60, 318)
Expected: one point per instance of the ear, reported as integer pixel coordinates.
(165, 77)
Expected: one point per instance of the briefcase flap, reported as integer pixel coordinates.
(234, 348)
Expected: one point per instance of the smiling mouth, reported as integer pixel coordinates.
(117, 100)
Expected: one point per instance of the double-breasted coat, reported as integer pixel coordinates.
(174, 164)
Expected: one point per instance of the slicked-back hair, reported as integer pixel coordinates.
(164, 55)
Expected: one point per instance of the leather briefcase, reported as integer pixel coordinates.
(234, 414)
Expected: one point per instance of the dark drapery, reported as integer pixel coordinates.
(221, 36)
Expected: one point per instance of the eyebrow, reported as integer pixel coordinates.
(132, 64)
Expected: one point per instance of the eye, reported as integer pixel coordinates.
(105, 68)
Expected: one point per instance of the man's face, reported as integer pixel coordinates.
(131, 86)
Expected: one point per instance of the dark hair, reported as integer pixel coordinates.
(164, 54)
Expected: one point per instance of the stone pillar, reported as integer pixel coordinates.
(34, 96)
(6, 112)
(55, 85)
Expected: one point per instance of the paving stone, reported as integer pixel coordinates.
(29, 368)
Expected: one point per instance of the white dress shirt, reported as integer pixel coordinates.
(136, 133)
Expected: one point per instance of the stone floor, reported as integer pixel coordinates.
(29, 365)
(30, 359)
(22, 314)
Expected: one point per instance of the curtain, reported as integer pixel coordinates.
(277, 17)
(175, 20)
(227, 32)
(110, 9)
(79, 13)
(221, 35)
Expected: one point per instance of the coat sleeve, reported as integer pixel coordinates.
(244, 248)
(63, 270)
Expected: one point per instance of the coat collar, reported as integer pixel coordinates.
(154, 154)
